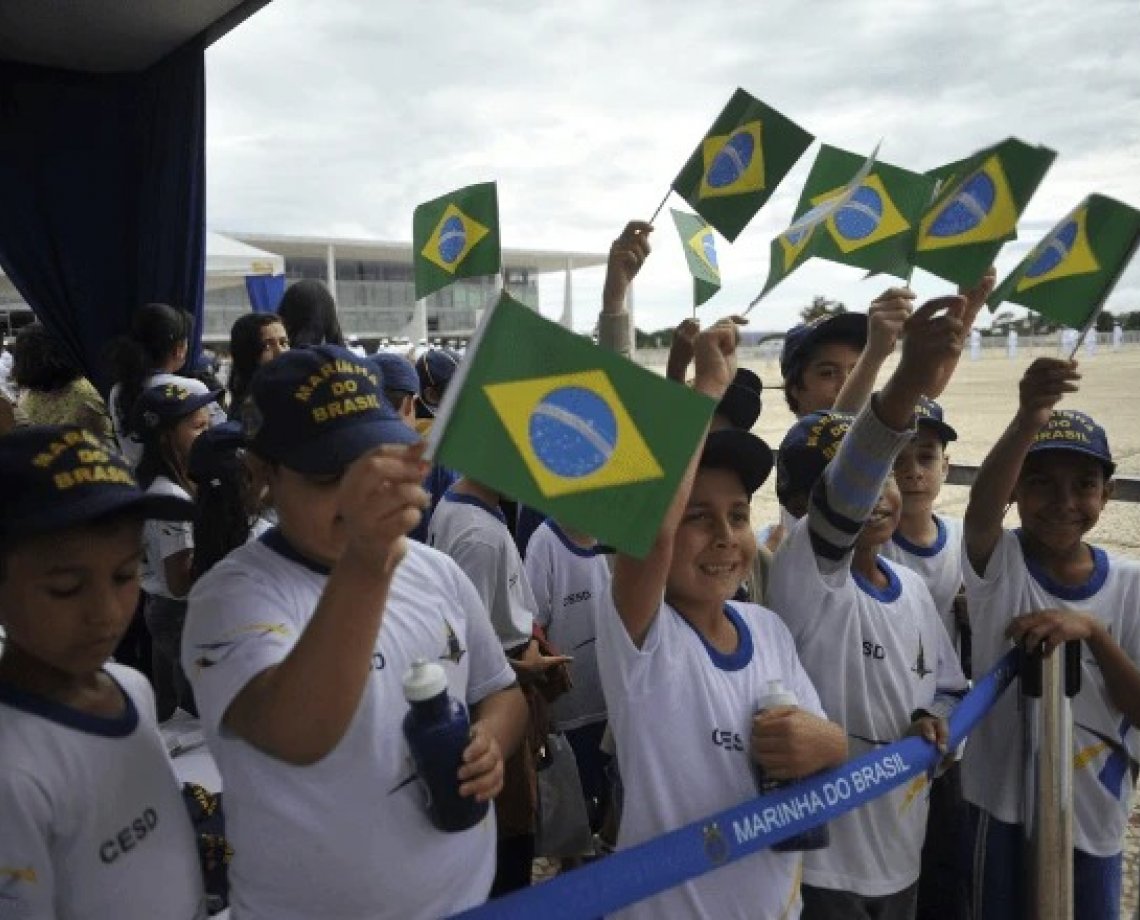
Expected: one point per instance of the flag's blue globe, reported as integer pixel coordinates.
(968, 208)
(708, 244)
(734, 157)
(573, 432)
(452, 239)
(860, 216)
(1054, 252)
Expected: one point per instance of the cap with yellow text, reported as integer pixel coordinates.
(1068, 429)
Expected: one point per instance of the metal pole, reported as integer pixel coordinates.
(1047, 684)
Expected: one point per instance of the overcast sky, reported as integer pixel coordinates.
(336, 117)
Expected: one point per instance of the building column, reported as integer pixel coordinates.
(330, 267)
(567, 319)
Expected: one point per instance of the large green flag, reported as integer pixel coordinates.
(809, 234)
(1070, 273)
(456, 236)
(747, 151)
(552, 420)
(700, 252)
(976, 209)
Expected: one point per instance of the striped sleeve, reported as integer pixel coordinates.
(844, 496)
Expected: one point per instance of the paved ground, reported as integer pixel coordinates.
(979, 403)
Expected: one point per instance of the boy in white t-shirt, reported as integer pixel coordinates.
(1042, 585)
(684, 669)
(297, 644)
(92, 824)
(867, 631)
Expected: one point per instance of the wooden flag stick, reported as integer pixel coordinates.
(653, 219)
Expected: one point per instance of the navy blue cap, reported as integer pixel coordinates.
(316, 410)
(162, 405)
(57, 476)
(397, 372)
(1068, 429)
(436, 367)
(801, 339)
(741, 403)
(810, 444)
(739, 451)
(216, 454)
(928, 414)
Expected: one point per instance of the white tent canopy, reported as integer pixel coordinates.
(228, 261)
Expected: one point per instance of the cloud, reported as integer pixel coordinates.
(337, 117)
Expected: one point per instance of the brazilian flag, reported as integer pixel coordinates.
(747, 151)
(700, 252)
(552, 420)
(976, 208)
(1070, 273)
(456, 236)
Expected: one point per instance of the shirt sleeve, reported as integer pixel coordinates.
(27, 877)
(538, 564)
(850, 486)
(621, 664)
(488, 670)
(237, 625)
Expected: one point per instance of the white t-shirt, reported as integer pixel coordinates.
(570, 584)
(163, 539)
(93, 826)
(129, 445)
(681, 713)
(991, 774)
(349, 836)
(875, 656)
(939, 565)
(476, 537)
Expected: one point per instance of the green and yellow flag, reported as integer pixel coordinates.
(700, 252)
(552, 420)
(976, 208)
(1068, 275)
(747, 151)
(456, 236)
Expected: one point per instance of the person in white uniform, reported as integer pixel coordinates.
(297, 643)
(867, 631)
(688, 747)
(1043, 585)
(92, 824)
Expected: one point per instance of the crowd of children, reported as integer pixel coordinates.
(299, 558)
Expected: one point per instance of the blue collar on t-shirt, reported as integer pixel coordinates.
(464, 499)
(276, 541)
(887, 595)
(1065, 592)
(586, 552)
(105, 726)
(734, 660)
(914, 549)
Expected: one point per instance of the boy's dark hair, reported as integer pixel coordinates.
(246, 350)
(41, 361)
(10, 544)
(795, 378)
(156, 331)
(308, 312)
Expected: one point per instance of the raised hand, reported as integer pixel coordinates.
(976, 296)
(627, 254)
(715, 353)
(932, 344)
(681, 349)
(1044, 383)
(886, 318)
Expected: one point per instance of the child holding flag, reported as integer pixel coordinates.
(1042, 585)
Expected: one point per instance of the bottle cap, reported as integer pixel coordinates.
(777, 695)
(425, 680)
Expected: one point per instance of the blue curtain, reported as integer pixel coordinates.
(102, 195)
(265, 292)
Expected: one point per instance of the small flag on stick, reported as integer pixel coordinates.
(700, 252)
(456, 236)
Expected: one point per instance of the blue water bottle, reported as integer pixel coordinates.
(815, 838)
(438, 731)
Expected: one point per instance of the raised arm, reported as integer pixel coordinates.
(627, 254)
(1041, 388)
(886, 317)
(639, 584)
(298, 710)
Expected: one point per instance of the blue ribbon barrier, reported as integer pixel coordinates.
(663, 862)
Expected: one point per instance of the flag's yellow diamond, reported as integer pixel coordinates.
(703, 246)
(869, 216)
(1062, 254)
(978, 209)
(453, 238)
(734, 163)
(573, 433)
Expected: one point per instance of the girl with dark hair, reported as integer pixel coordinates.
(254, 339)
(151, 354)
(55, 392)
(309, 314)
